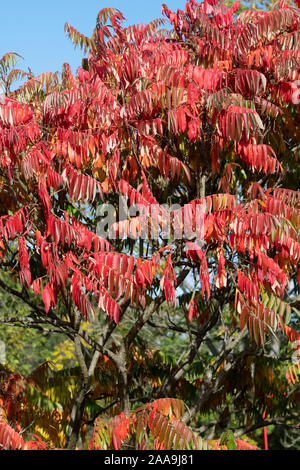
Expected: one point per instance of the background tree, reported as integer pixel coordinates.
(205, 116)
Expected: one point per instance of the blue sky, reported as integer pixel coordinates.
(35, 29)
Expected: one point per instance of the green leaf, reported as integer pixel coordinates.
(228, 440)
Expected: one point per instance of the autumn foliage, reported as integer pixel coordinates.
(202, 114)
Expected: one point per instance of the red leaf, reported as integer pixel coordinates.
(48, 297)
(25, 275)
(9, 438)
(192, 310)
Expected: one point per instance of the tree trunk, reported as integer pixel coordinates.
(76, 417)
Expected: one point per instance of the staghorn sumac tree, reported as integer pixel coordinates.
(196, 128)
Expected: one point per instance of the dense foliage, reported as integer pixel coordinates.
(177, 301)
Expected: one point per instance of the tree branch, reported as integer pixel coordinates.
(209, 386)
(282, 420)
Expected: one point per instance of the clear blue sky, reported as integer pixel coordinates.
(35, 29)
